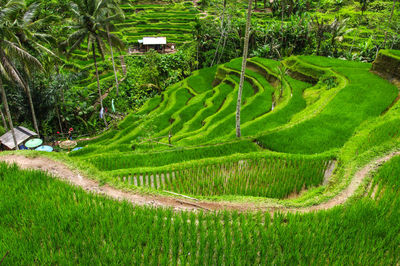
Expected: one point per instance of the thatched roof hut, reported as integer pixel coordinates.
(22, 134)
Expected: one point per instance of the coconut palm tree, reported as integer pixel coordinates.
(12, 52)
(89, 27)
(4, 96)
(3, 119)
(389, 22)
(338, 29)
(242, 73)
(27, 31)
(112, 13)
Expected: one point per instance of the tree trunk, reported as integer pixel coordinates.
(281, 30)
(223, 48)
(265, 5)
(35, 125)
(291, 3)
(3, 93)
(390, 21)
(4, 120)
(112, 58)
(222, 34)
(242, 73)
(98, 81)
(59, 120)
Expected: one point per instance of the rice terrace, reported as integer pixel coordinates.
(207, 132)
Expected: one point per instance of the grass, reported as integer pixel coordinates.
(61, 224)
(395, 52)
(166, 157)
(172, 20)
(202, 81)
(365, 96)
(252, 174)
(212, 105)
(199, 111)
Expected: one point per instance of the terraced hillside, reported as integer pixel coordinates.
(174, 21)
(296, 114)
(336, 202)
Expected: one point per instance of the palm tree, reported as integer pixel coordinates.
(22, 28)
(242, 74)
(90, 17)
(4, 96)
(89, 26)
(222, 28)
(113, 12)
(26, 29)
(320, 27)
(11, 52)
(338, 29)
(389, 22)
(3, 119)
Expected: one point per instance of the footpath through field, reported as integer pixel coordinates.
(60, 170)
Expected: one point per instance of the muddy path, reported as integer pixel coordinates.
(63, 172)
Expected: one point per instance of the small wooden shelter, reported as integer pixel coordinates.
(22, 134)
(156, 43)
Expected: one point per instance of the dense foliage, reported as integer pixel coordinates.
(315, 118)
(332, 28)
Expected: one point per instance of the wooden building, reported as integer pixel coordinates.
(21, 133)
(156, 43)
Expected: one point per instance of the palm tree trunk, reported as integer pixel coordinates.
(222, 34)
(59, 120)
(242, 73)
(98, 81)
(35, 125)
(112, 58)
(390, 21)
(4, 96)
(4, 120)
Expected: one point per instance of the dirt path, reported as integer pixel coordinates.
(61, 171)
(353, 186)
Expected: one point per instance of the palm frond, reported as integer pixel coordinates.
(30, 13)
(9, 70)
(21, 55)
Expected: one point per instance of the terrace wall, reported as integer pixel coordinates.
(387, 65)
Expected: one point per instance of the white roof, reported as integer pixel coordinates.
(21, 133)
(153, 40)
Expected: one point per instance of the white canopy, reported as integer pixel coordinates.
(153, 40)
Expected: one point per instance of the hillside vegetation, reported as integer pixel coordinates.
(294, 122)
(166, 170)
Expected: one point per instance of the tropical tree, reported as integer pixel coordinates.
(389, 22)
(112, 12)
(3, 119)
(90, 17)
(4, 96)
(242, 73)
(27, 31)
(364, 5)
(222, 29)
(338, 29)
(320, 27)
(12, 52)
